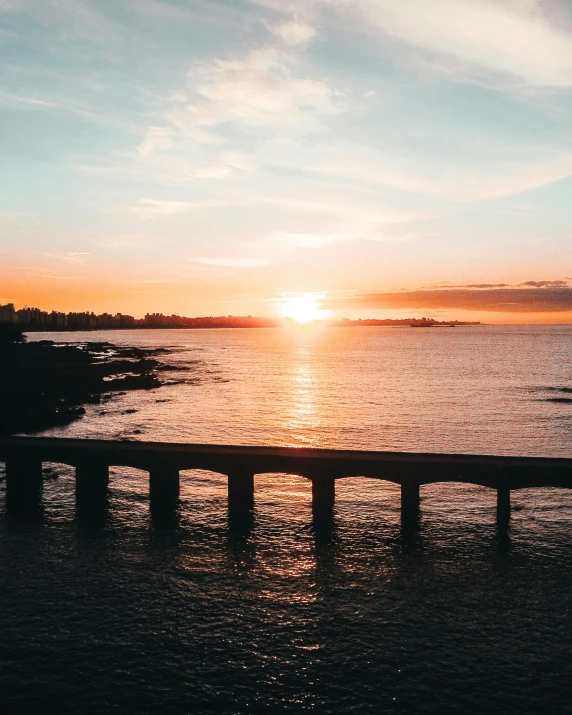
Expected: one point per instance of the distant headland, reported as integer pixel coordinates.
(34, 319)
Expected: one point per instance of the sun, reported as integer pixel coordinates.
(304, 308)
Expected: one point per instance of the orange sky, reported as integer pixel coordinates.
(212, 299)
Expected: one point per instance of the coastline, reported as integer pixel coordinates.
(45, 384)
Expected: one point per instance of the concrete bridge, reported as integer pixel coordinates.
(164, 461)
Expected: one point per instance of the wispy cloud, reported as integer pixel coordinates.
(155, 138)
(353, 163)
(260, 88)
(513, 37)
(150, 208)
(60, 105)
(44, 273)
(308, 240)
(293, 32)
(224, 166)
(243, 262)
(77, 257)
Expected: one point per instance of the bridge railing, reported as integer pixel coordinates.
(164, 461)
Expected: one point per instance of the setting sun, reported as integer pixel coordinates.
(304, 308)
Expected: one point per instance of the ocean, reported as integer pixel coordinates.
(124, 615)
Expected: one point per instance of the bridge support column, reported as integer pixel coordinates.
(323, 498)
(163, 486)
(91, 482)
(240, 492)
(503, 506)
(240, 502)
(409, 504)
(23, 482)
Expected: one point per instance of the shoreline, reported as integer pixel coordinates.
(44, 384)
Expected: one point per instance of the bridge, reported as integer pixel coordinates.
(165, 460)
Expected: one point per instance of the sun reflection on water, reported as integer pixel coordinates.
(302, 414)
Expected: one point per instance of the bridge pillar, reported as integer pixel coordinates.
(240, 502)
(23, 481)
(240, 491)
(323, 498)
(91, 482)
(164, 486)
(503, 506)
(409, 504)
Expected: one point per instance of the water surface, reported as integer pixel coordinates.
(121, 614)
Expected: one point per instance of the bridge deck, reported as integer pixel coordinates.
(165, 460)
(399, 467)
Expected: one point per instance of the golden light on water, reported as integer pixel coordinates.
(304, 308)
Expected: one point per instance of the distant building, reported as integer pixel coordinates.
(155, 319)
(7, 313)
(82, 320)
(126, 321)
(33, 317)
(58, 320)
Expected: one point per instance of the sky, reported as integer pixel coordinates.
(389, 157)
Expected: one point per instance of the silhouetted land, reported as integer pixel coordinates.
(159, 322)
(44, 384)
(401, 322)
(34, 319)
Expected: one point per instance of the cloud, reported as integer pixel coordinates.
(512, 37)
(150, 208)
(519, 180)
(367, 214)
(349, 161)
(256, 86)
(68, 257)
(213, 171)
(225, 166)
(60, 104)
(76, 256)
(309, 240)
(260, 88)
(528, 297)
(543, 284)
(156, 138)
(43, 272)
(294, 32)
(233, 262)
(478, 285)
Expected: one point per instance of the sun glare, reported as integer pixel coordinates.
(304, 308)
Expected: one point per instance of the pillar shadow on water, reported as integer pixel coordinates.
(411, 534)
(93, 513)
(240, 524)
(165, 516)
(324, 527)
(24, 487)
(503, 510)
(502, 542)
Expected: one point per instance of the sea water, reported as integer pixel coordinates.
(124, 615)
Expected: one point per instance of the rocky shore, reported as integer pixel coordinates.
(45, 384)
